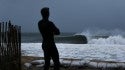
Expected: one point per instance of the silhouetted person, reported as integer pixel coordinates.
(48, 30)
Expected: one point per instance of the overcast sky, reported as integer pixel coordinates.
(68, 15)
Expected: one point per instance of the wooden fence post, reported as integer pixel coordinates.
(10, 46)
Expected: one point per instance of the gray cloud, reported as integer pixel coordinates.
(68, 15)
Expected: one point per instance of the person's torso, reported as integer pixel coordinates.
(46, 31)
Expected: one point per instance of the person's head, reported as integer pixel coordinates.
(45, 12)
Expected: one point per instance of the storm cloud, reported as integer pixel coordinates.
(68, 15)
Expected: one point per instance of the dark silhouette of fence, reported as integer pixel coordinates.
(10, 46)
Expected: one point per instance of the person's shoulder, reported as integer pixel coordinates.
(40, 21)
(51, 23)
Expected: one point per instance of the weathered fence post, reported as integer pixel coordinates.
(10, 46)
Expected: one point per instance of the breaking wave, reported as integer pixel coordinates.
(119, 40)
(104, 37)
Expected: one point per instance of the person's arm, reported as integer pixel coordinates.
(55, 30)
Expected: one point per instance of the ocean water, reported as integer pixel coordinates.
(101, 47)
(36, 37)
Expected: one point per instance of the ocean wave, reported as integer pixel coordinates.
(79, 38)
(102, 36)
(79, 51)
(120, 40)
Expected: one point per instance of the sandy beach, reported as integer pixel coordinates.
(73, 65)
(26, 59)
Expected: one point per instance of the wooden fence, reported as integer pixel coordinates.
(10, 46)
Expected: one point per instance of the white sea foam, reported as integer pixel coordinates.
(112, 40)
(114, 37)
(80, 51)
(101, 32)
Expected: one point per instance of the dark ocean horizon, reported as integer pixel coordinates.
(37, 38)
